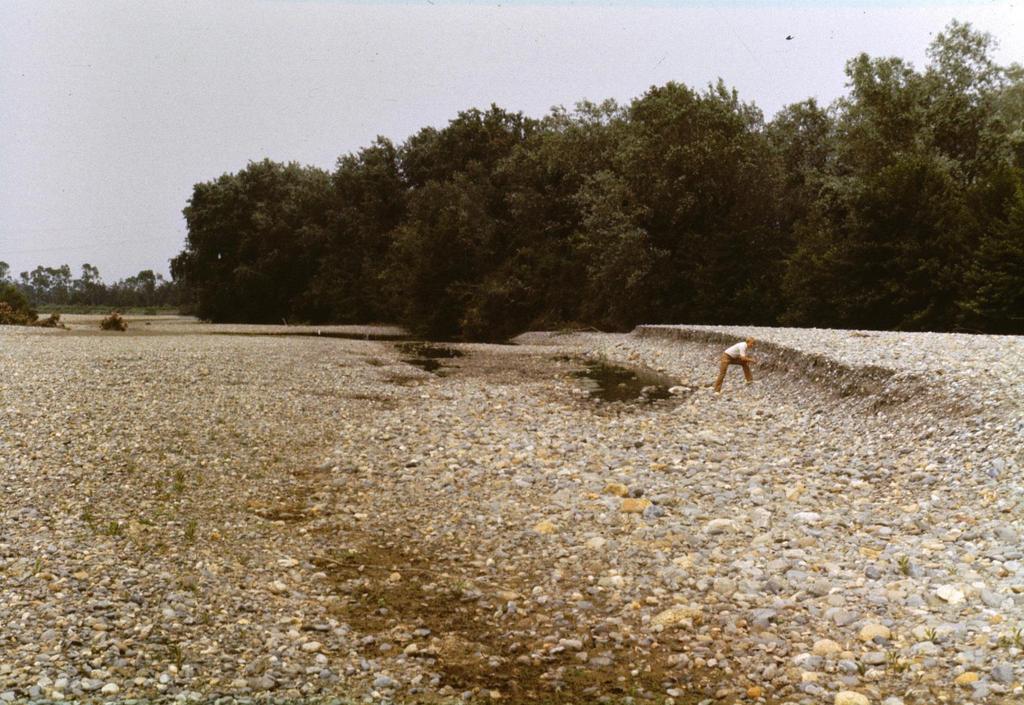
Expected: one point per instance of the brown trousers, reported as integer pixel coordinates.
(723, 367)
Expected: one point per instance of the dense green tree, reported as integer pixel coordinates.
(899, 252)
(996, 274)
(882, 118)
(618, 256)
(701, 166)
(440, 254)
(142, 289)
(367, 204)
(1009, 114)
(541, 180)
(802, 136)
(963, 86)
(916, 186)
(254, 239)
(474, 137)
(452, 242)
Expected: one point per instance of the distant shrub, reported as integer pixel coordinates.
(51, 321)
(14, 307)
(9, 316)
(114, 322)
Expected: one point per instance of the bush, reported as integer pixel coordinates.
(114, 322)
(9, 316)
(51, 321)
(14, 307)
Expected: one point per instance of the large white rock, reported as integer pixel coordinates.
(674, 615)
(850, 697)
(950, 594)
(826, 647)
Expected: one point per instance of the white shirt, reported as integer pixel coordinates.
(737, 350)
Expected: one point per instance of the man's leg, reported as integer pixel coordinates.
(723, 367)
(746, 372)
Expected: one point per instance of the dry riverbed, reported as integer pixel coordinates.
(276, 514)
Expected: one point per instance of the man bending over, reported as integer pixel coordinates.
(736, 355)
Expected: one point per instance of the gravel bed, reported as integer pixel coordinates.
(241, 517)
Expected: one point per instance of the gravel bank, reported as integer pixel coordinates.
(190, 515)
(969, 374)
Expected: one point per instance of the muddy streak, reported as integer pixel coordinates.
(465, 630)
(475, 635)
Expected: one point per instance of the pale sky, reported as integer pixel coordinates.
(111, 111)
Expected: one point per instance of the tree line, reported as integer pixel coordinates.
(899, 206)
(57, 286)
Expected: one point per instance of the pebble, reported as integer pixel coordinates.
(720, 526)
(633, 505)
(91, 684)
(617, 489)
(383, 681)
(264, 682)
(870, 632)
(654, 511)
(1002, 673)
(967, 678)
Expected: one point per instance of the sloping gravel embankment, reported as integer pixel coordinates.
(947, 372)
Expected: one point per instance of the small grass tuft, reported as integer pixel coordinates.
(176, 654)
(1015, 639)
(178, 486)
(894, 663)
